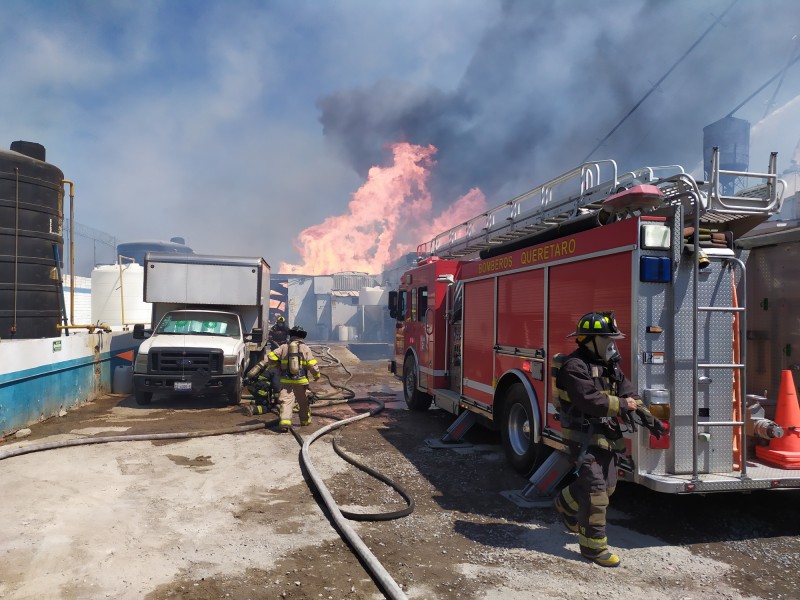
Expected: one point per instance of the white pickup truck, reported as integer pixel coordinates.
(210, 313)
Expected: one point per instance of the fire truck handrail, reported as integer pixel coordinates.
(750, 200)
(513, 218)
(598, 180)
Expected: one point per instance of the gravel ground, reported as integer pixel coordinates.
(233, 517)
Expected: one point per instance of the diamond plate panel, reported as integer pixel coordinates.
(654, 309)
(715, 341)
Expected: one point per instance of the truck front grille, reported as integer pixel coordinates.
(186, 361)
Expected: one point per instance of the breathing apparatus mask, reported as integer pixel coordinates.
(604, 348)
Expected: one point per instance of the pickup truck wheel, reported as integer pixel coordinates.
(415, 399)
(143, 398)
(523, 454)
(235, 394)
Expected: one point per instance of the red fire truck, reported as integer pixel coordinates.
(490, 303)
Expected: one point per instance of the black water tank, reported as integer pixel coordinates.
(31, 221)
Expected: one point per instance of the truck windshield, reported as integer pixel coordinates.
(199, 323)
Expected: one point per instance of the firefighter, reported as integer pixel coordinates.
(263, 382)
(593, 396)
(278, 332)
(296, 362)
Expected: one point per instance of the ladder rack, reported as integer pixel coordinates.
(582, 190)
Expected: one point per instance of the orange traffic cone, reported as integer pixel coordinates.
(784, 452)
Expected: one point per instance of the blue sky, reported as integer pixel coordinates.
(238, 124)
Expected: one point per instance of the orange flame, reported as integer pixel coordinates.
(389, 216)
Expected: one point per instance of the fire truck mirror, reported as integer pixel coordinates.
(393, 304)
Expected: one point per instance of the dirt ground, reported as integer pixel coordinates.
(233, 516)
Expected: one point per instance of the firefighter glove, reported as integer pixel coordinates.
(627, 419)
(655, 426)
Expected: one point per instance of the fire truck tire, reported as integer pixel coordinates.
(517, 433)
(415, 399)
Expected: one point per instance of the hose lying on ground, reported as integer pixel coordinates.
(379, 573)
(376, 569)
(126, 438)
(327, 359)
(388, 516)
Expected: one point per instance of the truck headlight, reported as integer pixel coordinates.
(140, 366)
(230, 365)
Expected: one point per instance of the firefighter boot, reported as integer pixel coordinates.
(255, 409)
(283, 426)
(604, 558)
(568, 517)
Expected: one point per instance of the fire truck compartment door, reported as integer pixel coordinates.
(479, 340)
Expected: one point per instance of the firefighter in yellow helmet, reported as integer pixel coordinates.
(594, 396)
(296, 362)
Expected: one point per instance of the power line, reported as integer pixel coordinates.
(771, 102)
(766, 83)
(652, 89)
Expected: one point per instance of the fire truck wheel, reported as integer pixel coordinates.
(415, 399)
(516, 431)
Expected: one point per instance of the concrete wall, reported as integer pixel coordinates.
(40, 378)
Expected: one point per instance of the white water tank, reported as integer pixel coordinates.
(346, 333)
(115, 291)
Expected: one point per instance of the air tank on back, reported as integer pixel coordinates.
(31, 221)
(732, 137)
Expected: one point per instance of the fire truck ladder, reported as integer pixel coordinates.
(573, 194)
(709, 207)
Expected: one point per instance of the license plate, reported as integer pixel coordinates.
(183, 386)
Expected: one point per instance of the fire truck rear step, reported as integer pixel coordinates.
(760, 477)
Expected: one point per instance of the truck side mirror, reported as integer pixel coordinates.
(393, 304)
(140, 333)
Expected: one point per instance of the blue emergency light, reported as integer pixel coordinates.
(655, 269)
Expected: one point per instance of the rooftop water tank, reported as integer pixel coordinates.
(31, 222)
(117, 297)
(732, 137)
(137, 250)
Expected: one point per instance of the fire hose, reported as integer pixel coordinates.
(376, 569)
